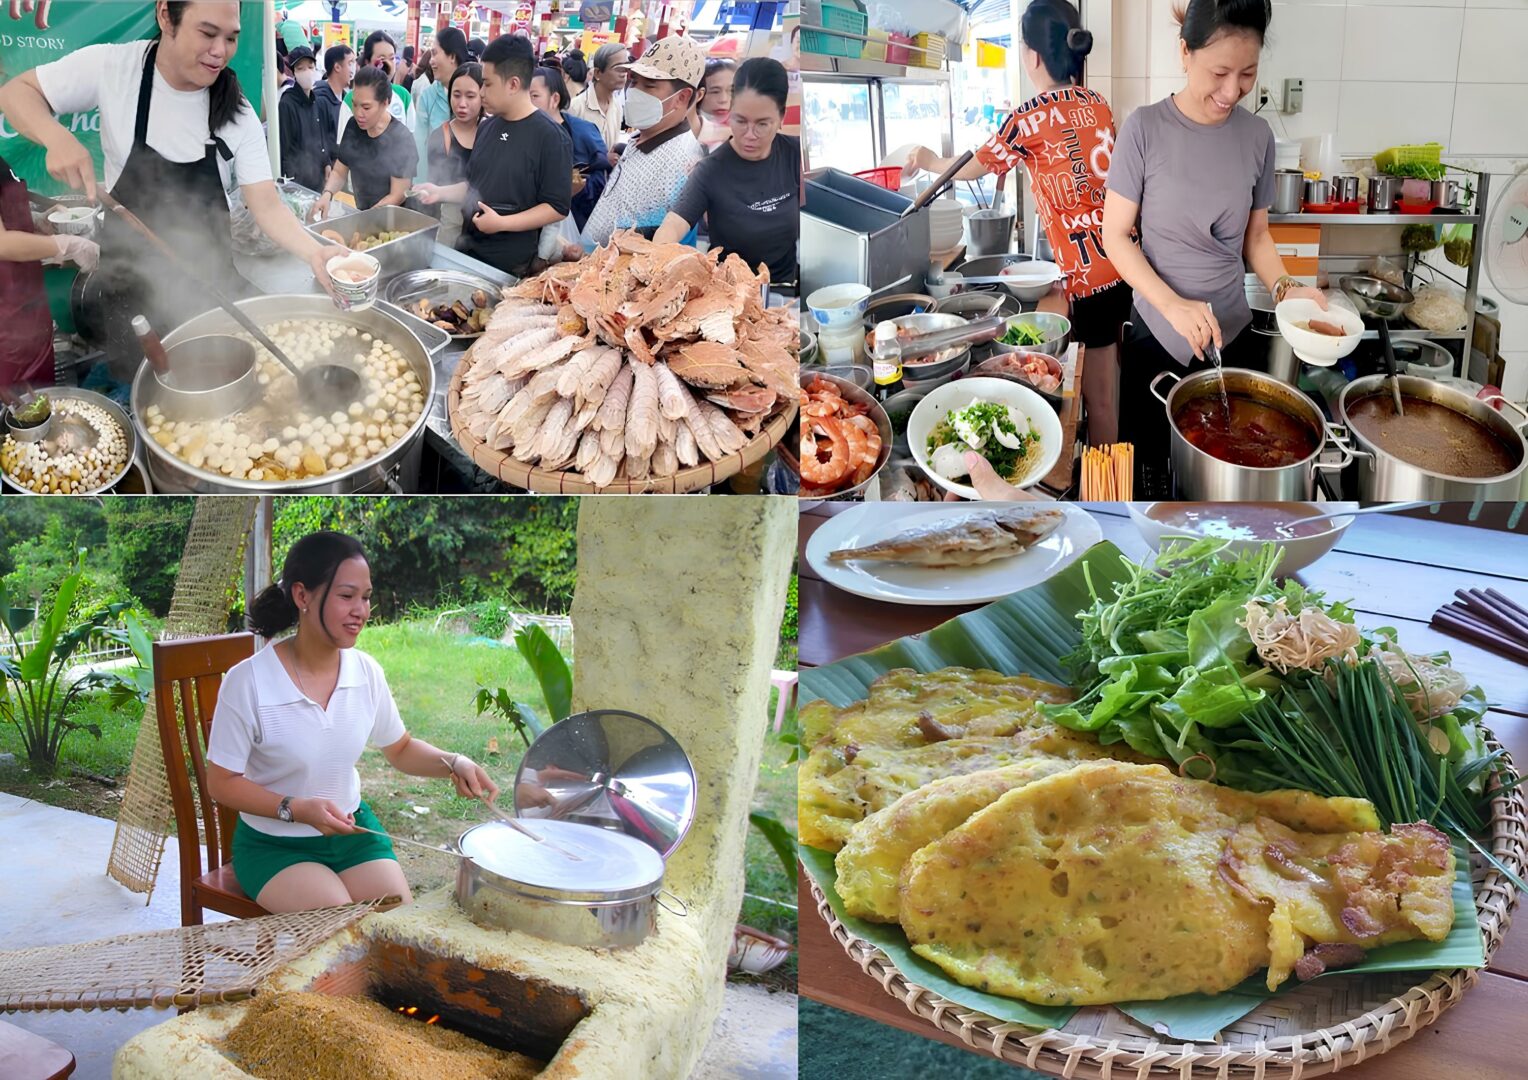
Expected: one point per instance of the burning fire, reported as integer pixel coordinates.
(413, 1011)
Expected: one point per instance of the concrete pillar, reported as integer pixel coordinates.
(677, 617)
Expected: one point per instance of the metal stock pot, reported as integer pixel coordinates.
(616, 790)
(1202, 477)
(1383, 477)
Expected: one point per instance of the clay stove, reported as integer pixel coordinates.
(676, 616)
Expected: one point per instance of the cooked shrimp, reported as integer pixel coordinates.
(814, 469)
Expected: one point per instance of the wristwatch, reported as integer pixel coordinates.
(284, 811)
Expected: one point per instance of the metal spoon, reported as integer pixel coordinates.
(328, 386)
(1287, 530)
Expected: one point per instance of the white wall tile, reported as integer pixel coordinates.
(1129, 95)
(1159, 87)
(1516, 377)
(1402, 43)
(1318, 116)
(1495, 47)
(1165, 53)
(1376, 115)
(1407, 3)
(1490, 119)
(1518, 4)
(1132, 38)
(1305, 41)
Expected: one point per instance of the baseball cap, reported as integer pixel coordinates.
(680, 59)
(302, 52)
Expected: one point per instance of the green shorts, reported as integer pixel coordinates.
(258, 856)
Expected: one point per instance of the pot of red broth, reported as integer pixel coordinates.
(1261, 441)
(1448, 445)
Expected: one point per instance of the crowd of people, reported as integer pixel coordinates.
(527, 161)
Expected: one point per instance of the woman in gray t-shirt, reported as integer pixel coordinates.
(1195, 174)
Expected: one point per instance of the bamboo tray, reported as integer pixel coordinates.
(531, 478)
(1317, 1028)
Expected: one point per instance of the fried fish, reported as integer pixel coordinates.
(969, 540)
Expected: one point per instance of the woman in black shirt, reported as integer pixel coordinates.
(451, 144)
(749, 190)
(376, 153)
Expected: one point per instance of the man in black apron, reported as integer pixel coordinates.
(184, 202)
(172, 198)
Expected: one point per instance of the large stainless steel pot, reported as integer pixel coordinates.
(606, 900)
(1282, 363)
(1383, 477)
(1201, 477)
(618, 791)
(171, 475)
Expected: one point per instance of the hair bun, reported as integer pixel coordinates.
(1079, 41)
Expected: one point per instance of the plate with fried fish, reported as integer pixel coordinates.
(957, 553)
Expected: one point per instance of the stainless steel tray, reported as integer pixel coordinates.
(411, 252)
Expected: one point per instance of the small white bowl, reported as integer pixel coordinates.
(355, 295)
(839, 305)
(927, 414)
(74, 220)
(1318, 350)
(1299, 552)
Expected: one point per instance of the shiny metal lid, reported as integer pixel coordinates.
(612, 769)
(610, 865)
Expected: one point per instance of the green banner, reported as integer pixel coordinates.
(73, 25)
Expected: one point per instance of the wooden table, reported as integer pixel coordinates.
(1059, 480)
(1395, 570)
(24, 1056)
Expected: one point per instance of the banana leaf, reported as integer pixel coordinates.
(1031, 633)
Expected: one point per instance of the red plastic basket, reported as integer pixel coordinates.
(888, 177)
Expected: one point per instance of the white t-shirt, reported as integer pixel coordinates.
(278, 737)
(107, 77)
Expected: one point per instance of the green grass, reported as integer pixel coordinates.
(765, 876)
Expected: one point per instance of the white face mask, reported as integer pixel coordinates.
(643, 110)
(306, 78)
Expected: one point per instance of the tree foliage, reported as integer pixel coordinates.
(424, 550)
(146, 538)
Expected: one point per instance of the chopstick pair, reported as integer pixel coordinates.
(1488, 619)
(514, 822)
(1108, 473)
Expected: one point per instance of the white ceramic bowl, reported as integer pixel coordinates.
(1031, 280)
(1318, 349)
(839, 305)
(1299, 552)
(956, 395)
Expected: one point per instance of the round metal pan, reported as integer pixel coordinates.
(439, 287)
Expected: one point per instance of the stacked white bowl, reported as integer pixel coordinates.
(945, 222)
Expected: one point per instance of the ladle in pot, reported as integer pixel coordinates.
(1383, 301)
(327, 386)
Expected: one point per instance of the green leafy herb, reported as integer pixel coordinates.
(1023, 334)
(1415, 170)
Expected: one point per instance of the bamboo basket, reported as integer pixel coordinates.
(531, 478)
(1318, 1028)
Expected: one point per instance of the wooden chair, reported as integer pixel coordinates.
(195, 667)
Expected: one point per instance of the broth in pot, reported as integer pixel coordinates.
(1255, 434)
(1432, 437)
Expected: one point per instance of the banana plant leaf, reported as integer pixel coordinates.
(1030, 633)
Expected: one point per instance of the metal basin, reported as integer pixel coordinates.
(411, 252)
(1202, 477)
(942, 365)
(1383, 477)
(171, 475)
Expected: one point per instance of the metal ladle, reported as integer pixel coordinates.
(327, 386)
(1384, 302)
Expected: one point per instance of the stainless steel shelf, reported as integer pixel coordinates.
(1375, 219)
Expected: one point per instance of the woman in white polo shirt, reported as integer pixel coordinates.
(290, 725)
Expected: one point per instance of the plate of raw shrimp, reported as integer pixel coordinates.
(845, 437)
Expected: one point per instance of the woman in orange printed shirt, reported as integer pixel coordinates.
(1064, 136)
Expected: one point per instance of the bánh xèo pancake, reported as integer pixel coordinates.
(1104, 883)
(870, 864)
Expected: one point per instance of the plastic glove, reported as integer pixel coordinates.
(82, 252)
